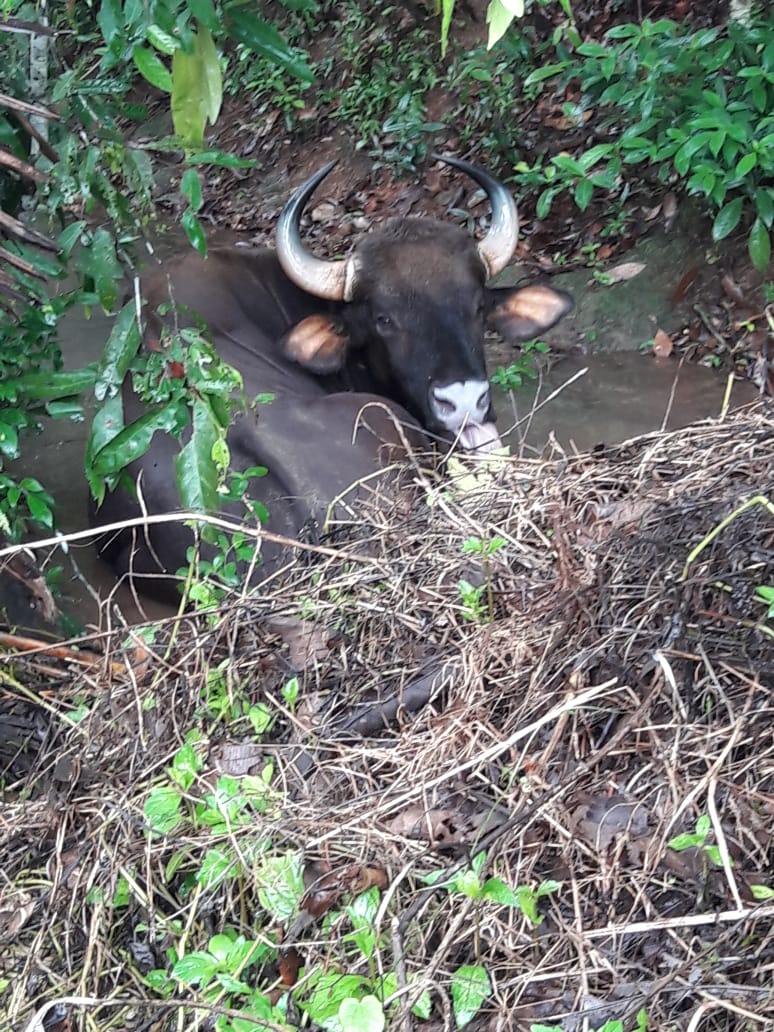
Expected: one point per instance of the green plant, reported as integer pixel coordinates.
(511, 377)
(765, 594)
(697, 839)
(696, 105)
(474, 607)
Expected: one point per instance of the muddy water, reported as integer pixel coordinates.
(620, 394)
(608, 398)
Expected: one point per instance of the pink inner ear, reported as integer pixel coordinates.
(317, 344)
(529, 311)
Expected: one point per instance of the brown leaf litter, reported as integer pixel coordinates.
(618, 693)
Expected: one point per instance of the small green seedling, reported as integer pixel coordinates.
(698, 840)
(765, 593)
(473, 605)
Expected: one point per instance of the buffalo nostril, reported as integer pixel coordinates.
(483, 401)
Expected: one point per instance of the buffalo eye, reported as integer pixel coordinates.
(384, 323)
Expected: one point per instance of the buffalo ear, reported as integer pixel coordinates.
(523, 313)
(318, 343)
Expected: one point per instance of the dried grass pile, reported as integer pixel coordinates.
(602, 683)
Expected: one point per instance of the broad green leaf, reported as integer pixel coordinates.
(120, 350)
(195, 968)
(162, 809)
(70, 236)
(135, 439)
(762, 893)
(110, 20)
(496, 890)
(546, 72)
(107, 424)
(51, 386)
(759, 245)
(281, 885)
(262, 38)
(197, 89)
(366, 1015)
(746, 164)
(216, 157)
(447, 11)
(470, 987)
(194, 231)
(584, 188)
(764, 202)
(161, 40)
(191, 188)
(152, 68)
(195, 471)
(727, 219)
(498, 18)
(327, 991)
(67, 408)
(9, 441)
(204, 12)
(98, 261)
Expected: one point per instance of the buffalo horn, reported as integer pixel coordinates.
(321, 278)
(497, 247)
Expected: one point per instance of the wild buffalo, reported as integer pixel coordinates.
(399, 323)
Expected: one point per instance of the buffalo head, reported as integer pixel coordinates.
(412, 307)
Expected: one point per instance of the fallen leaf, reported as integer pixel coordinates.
(238, 758)
(624, 271)
(289, 966)
(307, 642)
(682, 287)
(662, 344)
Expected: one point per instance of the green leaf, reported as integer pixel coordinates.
(746, 164)
(50, 386)
(546, 72)
(152, 68)
(194, 231)
(66, 408)
(498, 18)
(470, 987)
(135, 439)
(120, 350)
(447, 11)
(195, 471)
(496, 890)
(197, 89)
(762, 892)
(759, 245)
(327, 992)
(108, 422)
(764, 202)
(98, 261)
(191, 188)
(584, 188)
(162, 809)
(366, 1015)
(221, 158)
(9, 441)
(281, 885)
(262, 38)
(727, 219)
(162, 40)
(193, 968)
(685, 841)
(204, 12)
